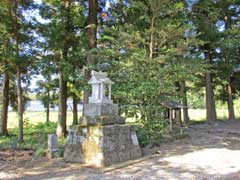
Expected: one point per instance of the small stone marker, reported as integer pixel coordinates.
(134, 138)
(52, 146)
(52, 142)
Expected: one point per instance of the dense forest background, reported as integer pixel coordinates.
(154, 50)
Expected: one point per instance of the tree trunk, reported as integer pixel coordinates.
(92, 40)
(231, 113)
(151, 44)
(62, 111)
(183, 92)
(48, 99)
(48, 107)
(20, 105)
(210, 103)
(5, 103)
(14, 7)
(62, 108)
(75, 110)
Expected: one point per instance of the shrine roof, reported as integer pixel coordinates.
(99, 77)
(173, 105)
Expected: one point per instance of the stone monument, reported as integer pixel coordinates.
(102, 138)
(53, 150)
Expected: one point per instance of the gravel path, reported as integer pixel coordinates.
(211, 152)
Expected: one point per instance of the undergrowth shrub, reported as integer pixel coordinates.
(151, 123)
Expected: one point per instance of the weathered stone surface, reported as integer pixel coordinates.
(102, 145)
(53, 151)
(52, 142)
(74, 153)
(77, 135)
(102, 120)
(93, 109)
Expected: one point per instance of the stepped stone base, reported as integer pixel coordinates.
(94, 109)
(101, 120)
(102, 145)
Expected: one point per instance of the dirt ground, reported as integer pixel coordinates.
(211, 152)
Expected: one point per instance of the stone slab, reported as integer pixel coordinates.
(94, 109)
(101, 120)
(52, 142)
(73, 153)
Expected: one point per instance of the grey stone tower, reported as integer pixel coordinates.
(102, 138)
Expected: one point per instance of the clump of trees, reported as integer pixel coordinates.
(154, 50)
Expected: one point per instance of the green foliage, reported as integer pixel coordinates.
(150, 51)
(150, 121)
(196, 100)
(35, 136)
(61, 142)
(46, 92)
(151, 126)
(39, 152)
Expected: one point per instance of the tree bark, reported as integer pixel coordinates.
(75, 110)
(210, 103)
(14, 4)
(183, 92)
(151, 44)
(231, 113)
(92, 40)
(5, 103)
(20, 105)
(48, 108)
(48, 99)
(62, 109)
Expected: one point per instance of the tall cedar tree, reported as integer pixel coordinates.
(5, 102)
(205, 24)
(62, 112)
(230, 17)
(16, 36)
(4, 70)
(15, 52)
(16, 55)
(92, 40)
(62, 32)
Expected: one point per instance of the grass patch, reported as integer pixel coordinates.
(35, 137)
(35, 132)
(37, 117)
(200, 114)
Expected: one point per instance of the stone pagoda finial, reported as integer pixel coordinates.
(99, 82)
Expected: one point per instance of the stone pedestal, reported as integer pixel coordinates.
(101, 120)
(94, 109)
(102, 138)
(102, 145)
